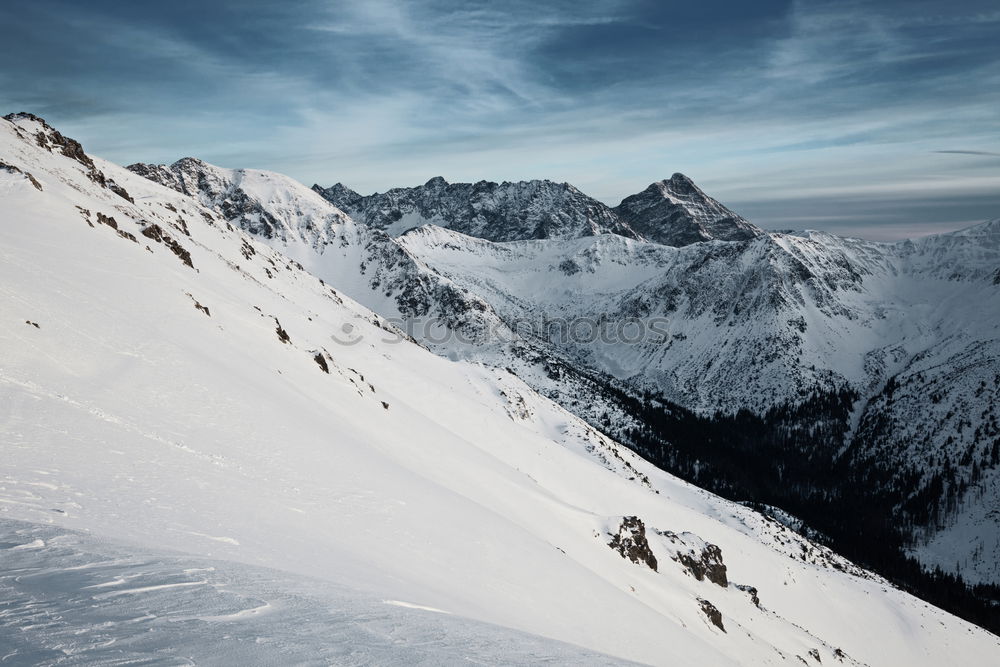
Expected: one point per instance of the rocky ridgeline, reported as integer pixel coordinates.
(672, 212)
(49, 138)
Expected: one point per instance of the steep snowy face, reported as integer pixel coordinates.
(47, 137)
(676, 212)
(202, 406)
(365, 262)
(907, 331)
(494, 211)
(745, 324)
(266, 204)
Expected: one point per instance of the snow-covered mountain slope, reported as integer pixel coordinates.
(676, 212)
(751, 325)
(361, 261)
(107, 604)
(788, 314)
(765, 323)
(169, 382)
(495, 211)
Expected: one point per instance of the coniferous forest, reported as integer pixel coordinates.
(796, 458)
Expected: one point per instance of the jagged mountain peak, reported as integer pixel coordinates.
(677, 182)
(507, 211)
(191, 163)
(677, 212)
(26, 116)
(338, 192)
(672, 211)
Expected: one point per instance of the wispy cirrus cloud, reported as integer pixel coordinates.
(961, 152)
(767, 104)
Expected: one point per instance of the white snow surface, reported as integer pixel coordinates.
(132, 423)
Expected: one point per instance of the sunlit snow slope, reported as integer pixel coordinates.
(169, 383)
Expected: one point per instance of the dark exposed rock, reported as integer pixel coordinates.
(33, 324)
(119, 190)
(195, 178)
(814, 654)
(713, 614)
(321, 362)
(282, 334)
(339, 193)
(127, 236)
(385, 405)
(50, 138)
(108, 220)
(752, 592)
(156, 233)
(180, 225)
(14, 170)
(631, 543)
(701, 559)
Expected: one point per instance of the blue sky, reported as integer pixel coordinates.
(878, 119)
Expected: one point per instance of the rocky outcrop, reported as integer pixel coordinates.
(631, 543)
(51, 139)
(218, 189)
(156, 233)
(699, 558)
(11, 169)
(712, 612)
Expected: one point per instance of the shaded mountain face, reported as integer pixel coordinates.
(672, 212)
(893, 350)
(494, 211)
(172, 396)
(676, 212)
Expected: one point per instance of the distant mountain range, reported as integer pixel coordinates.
(672, 212)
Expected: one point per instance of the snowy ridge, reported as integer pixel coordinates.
(200, 406)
